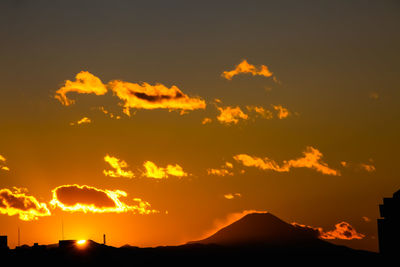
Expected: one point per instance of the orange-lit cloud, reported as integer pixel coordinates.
(282, 112)
(311, 159)
(245, 67)
(109, 114)
(206, 120)
(3, 164)
(219, 172)
(223, 171)
(85, 83)
(264, 113)
(133, 95)
(146, 96)
(84, 120)
(152, 171)
(16, 202)
(232, 195)
(230, 115)
(366, 219)
(76, 198)
(342, 230)
(367, 167)
(119, 166)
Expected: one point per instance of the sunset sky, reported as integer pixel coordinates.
(158, 122)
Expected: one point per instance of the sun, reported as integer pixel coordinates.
(81, 242)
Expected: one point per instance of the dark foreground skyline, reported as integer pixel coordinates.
(254, 237)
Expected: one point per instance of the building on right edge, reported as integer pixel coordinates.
(389, 225)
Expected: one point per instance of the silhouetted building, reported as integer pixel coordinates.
(3, 242)
(389, 226)
(66, 243)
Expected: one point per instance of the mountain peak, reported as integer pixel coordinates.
(260, 228)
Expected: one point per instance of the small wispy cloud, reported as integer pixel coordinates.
(3, 165)
(153, 171)
(282, 111)
(84, 120)
(118, 166)
(85, 83)
(245, 67)
(224, 170)
(311, 159)
(231, 196)
(229, 115)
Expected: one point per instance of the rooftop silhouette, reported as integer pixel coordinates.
(389, 225)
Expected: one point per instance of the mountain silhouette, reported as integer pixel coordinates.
(261, 229)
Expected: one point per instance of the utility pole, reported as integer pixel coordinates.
(104, 239)
(19, 238)
(62, 229)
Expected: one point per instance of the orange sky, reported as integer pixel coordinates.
(156, 124)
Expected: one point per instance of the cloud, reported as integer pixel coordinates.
(85, 83)
(366, 219)
(76, 198)
(230, 115)
(146, 96)
(264, 113)
(245, 67)
(282, 112)
(206, 120)
(84, 120)
(367, 167)
(152, 171)
(342, 231)
(16, 202)
(109, 114)
(118, 166)
(311, 159)
(133, 95)
(219, 172)
(223, 171)
(2, 164)
(232, 195)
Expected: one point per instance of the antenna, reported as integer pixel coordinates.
(104, 239)
(62, 229)
(19, 244)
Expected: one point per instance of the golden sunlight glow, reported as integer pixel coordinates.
(311, 159)
(118, 165)
(81, 242)
(76, 198)
(245, 67)
(152, 171)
